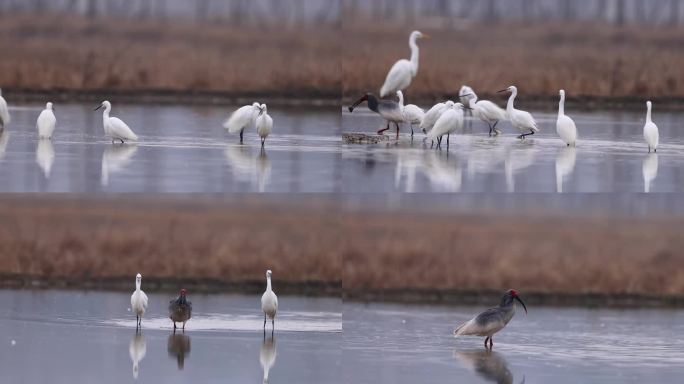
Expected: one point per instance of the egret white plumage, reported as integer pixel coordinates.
(46, 122)
(450, 121)
(412, 114)
(388, 109)
(137, 350)
(242, 118)
(403, 71)
(466, 95)
(138, 301)
(114, 127)
(433, 114)
(492, 320)
(269, 302)
(488, 112)
(651, 134)
(4, 113)
(521, 120)
(264, 124)
(565, 126)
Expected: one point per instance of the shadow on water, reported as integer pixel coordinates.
(178, 346)
(490, 366)
(137, 350)
(267, 355)
(115, 158)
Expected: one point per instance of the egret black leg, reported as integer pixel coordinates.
(411, 129)
(184, 326)
(486, 340)
(264, 321)
(448, 135)
(397, 125)
(655, 151)
(491, 343)
(527, 134)
(490, 129)
(263, 141)
(242, 131)
(174, 326)
(273, 323)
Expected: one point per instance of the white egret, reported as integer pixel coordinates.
(449, 122)
(4, 139)
(521, 120)
(432, 115)
(412, 114)
(466, 95)
(46, 122)
(114, 127)
(488, 112)
(45, 156)
(267, 356)
(651, 134)
(403, 71)
(565, 126)
(138, 301)
(264, 124)
(242, 118)
(137, 350)
(4, 113)
(269, 302)
(565, 165)
(649, 169)
(388, 109)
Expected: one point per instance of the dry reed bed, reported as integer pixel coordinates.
(585, 59)
(48, 52)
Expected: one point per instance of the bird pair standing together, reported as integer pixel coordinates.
(45, 124)
(244, 117)
(180, 309)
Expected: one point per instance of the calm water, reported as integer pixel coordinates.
(76, 337)
(181, 149)
(413, 344)
(610, 157)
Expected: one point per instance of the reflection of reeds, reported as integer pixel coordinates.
(585, 59)
(75, 53)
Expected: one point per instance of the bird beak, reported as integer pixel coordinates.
(503, 90)
(425, 36)
(359, 101)
(100, 106)
(466, 95)
(521, 302)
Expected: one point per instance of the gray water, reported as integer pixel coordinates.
(181, 149)
(414, 344)
(610, 157)
(78, 337)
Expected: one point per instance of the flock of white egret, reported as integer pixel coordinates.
(117, 130)
(180, 309)
(447, 118)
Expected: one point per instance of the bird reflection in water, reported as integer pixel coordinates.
(178, 346)
(649, 169)
(114, 159)
(267, 356)
(255, 170)
(565, 165)
(45, 156)
(4, 139)
(137, 350)
(489, 365)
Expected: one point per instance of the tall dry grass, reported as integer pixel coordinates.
(42, 52)
(584, 59)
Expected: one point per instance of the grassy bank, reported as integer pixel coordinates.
(587, 60)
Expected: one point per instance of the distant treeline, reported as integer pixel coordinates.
(616, 12)
(247, 12)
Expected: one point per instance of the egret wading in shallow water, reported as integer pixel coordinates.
(4, 113)
(466, 95)
(46, 122)
(264, 124)
(449, 122)
(651, 134)
(492, 320)
(488, 112)
(412, 113)
(269, 302)
(565, 126)
(241, 119)
(388, 109)
(114, 127)
(138, 301)
(432, 115)
(403, 71)
(521, 120)
(180, 309)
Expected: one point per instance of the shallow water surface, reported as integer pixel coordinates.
(410, 344)
(74, 337)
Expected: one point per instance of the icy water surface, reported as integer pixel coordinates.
(610, 156)
(414, 344)
(76, 337)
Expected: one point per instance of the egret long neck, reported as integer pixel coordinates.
(648, 115)
(137, 285)
(415, 52)
(105, 117)
(511, 100)
(561, 106)
(401, 100)
(268, 283)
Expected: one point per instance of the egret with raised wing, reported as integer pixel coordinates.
(242, 118)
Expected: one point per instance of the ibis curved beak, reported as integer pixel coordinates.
(359, 101)
(425, 36)
(100, 106)
(521, 302)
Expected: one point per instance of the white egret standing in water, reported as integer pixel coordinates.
(651, 134)
(114, 127)
(565, 126)
(449, 122)
(521, 120)
(403, 71)
(138, 301)
(488, 112)
(264, 124)
(242, 118)
(4, 113)
(46, 122)
(432, 115)
(412, 113)
(269, 302)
